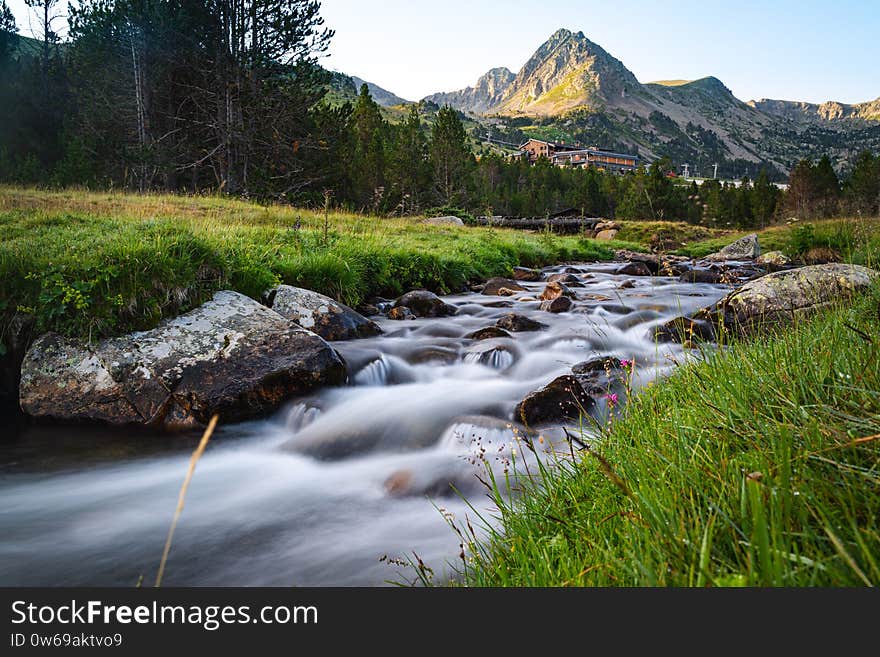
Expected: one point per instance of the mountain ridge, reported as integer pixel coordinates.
(573, 88)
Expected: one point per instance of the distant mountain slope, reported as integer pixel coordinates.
(817, 113)
(571, 88)
(485, 94)
(380, 95)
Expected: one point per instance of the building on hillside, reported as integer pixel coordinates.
(562, 154)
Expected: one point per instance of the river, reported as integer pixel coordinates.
(319, 492)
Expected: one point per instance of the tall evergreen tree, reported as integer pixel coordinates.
(410, 173)
(827, 187)
(8, 33)
(367, 160)
(450, 156)
(863, 186)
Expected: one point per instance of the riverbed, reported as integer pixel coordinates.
(332, 488)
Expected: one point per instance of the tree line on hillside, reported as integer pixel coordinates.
(226, 96)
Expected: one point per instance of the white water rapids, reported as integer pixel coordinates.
(319, 492)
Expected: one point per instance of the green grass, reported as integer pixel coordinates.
(852, 240)
(758, 466)
(93, 264)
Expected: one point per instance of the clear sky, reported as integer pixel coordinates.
(811, 50)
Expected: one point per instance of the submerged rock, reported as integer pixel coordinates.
(514, 322)
(701, 276)
(634, 269)
(231, 356)
(322, 315)
(425, 304)
(488, 333)
(557, 305)
(562, 399)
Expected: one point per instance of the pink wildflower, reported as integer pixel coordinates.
(626, 363)
(612, 398)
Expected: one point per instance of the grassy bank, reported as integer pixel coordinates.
(102, 263)
(847, 239)
(758, 466)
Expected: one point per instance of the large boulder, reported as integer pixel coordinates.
(771, 300)
(784, 296)
(745, 248)
(231, 356)
(448, 220)
(563, 399)
(425, 304)
(494, 286)
(319, 314)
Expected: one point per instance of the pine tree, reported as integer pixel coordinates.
(801, 196)
(410, 173)
(367, 164)
(8, 33)
(764, 196)
(450, 155)
(863, 186)
(827, 187)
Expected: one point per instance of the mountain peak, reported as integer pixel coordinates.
(486, 92)
(567, 71)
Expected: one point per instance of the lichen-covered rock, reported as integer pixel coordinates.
(745, 248)
(771, 300)
(774, 259)
(425, 304)
(494, 285)
(231, 356)
(322, 315)
(514, 322)
(562, 399)
(784, 296)
(448, 220)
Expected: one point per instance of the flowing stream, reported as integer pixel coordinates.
(319, 492)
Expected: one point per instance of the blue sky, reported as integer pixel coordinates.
(795, 50)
